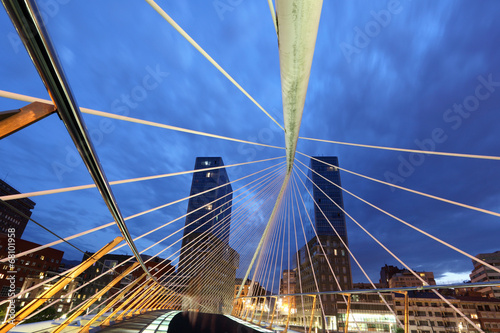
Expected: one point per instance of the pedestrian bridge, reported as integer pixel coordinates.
(157, 321)
(277, 194)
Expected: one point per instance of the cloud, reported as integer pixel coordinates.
(453, 277)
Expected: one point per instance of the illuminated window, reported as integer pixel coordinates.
(209, 207)
(1, 276)
(205, 163)
(110, 264)
(42, 257)
(27, 263)
(209, 174)
(41, 275)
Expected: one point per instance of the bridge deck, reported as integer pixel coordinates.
(135, 324)
(182, 322)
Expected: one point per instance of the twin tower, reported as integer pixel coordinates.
(208, 264)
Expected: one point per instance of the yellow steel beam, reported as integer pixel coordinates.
(143, 300)
(152, 300)
(176, 306)
(13, 121)
(155, 304)
(262, 312)
(347, 313)
(132, 298)
(246, 313)
(312, 314)
(86, 327)
(254, 309)
(160, 304)
(135, 301)
(166, 300)
(236, 307)
(95, 298)
(170, 298)
(289, 312)
(407, 322)
(161, 299)
(144, 305)
(274, 310)
(34, 304)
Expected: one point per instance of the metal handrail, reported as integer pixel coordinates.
(384, 290)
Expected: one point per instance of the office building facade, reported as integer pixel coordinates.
(210, 212)
(206, 240)
(14, 214)
(34, 265)
(482, 273)
(326, 249)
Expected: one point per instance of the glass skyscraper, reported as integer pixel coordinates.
(210, 211)
(207, 261)
(334, 214)
(323, 261)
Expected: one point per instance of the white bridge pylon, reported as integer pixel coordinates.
(297, 27)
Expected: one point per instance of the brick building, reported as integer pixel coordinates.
(34, 265)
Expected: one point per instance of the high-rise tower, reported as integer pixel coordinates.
(327, 241)
(17, 217)
(210, 211)
(207, 261)
(334, 215)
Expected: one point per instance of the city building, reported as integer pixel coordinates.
(406, 279)
(159, 267)
(394, 277)
(14, 214)
(288, 285)
(33, 265)
(365, 285)
(326, 249)
(428, 313)
(386, 272)
(485, 274)
(210, 286)
(67, 300)
(482, 310)
(369, 312)
(206, 238)
(254, 288)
